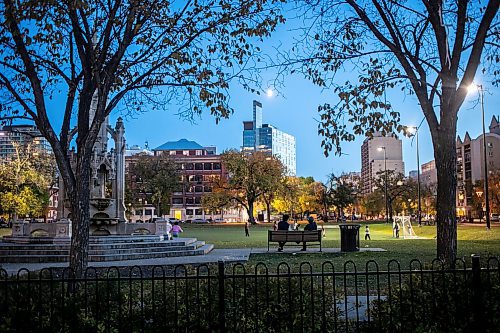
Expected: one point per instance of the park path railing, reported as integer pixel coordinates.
(256, 298)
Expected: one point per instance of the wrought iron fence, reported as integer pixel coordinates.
(258, 298)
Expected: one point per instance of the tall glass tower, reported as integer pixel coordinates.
(265, 137)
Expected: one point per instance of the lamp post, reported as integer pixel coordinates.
(414, 130)
(479, 88)
(385, 183)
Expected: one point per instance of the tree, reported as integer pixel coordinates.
(399, 189)
(216, 201)
(249, 176)
(101, 55)
(431, 50)
(25, 182)
(156, 178)
(341, 193)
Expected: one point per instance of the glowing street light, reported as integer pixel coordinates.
(479, 88)
(269, 92)
(414, 130)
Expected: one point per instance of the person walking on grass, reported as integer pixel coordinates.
(247, 230)
(367, 233)
(176, 230)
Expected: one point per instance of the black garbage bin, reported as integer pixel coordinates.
(349, 237)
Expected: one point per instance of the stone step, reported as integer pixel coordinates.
(36, 253)
(92, 246)
(100, 251)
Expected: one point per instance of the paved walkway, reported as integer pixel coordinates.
(226, 255)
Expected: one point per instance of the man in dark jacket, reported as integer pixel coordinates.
(311, 226)
(283, 225)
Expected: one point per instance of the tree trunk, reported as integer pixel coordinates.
(446, 162)
(268, 210)
(250, 212)
(80, 202)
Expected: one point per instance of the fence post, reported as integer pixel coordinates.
(222, 308)
(476, 292)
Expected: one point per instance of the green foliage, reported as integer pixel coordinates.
(25, 182)
(443, 302)
(155, 177)
(249, 177)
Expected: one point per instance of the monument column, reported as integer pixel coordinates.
(120, 170)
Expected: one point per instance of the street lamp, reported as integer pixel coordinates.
(479, 88)
(385, 189)
(414, 130)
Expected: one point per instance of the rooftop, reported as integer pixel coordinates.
(181, 144)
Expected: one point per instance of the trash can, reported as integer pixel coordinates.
(349, 237)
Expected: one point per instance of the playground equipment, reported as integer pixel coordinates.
(405, 227)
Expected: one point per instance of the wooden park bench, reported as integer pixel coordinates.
(314, 236)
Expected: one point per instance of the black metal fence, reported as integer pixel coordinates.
(258, 298)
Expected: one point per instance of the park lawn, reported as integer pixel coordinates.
(471, 240)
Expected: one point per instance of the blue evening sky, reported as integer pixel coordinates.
(294, 111)
(296, 114)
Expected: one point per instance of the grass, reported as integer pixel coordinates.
(472, 239)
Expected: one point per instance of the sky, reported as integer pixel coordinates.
(295, 112)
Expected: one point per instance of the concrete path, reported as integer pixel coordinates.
(226, 255)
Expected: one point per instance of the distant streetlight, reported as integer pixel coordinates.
(270, 92)
(414, 130)
(385, 187)
(480, 90)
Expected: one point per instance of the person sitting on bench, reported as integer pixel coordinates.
(311, 226)
(283, 225)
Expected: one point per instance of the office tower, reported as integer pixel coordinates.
(372, 159)
(265, 137)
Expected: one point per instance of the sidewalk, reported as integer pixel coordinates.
(216, 255)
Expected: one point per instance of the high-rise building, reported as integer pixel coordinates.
(372, 159)
(22, 135)
(470, 164)
(428, 176)
(264, 137)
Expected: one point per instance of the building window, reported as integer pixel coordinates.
(207, 166)
(177, 201)
(189, 201)
(208, 189)
(199, 152)
(198, 211)
(198, 189)
(216, 166)
(197, 200)
(189, 166)
(148, 212)
(189, 212)
(198, 166)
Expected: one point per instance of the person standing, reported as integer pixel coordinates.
(275, 226)
(168, 230)
(311, 226)
(396, 230)
(247, 230)
(367, 233)
(283, 225)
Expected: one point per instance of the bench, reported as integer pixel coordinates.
(314, 236)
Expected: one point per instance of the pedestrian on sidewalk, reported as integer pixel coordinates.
(367, 233)
(247, 230)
